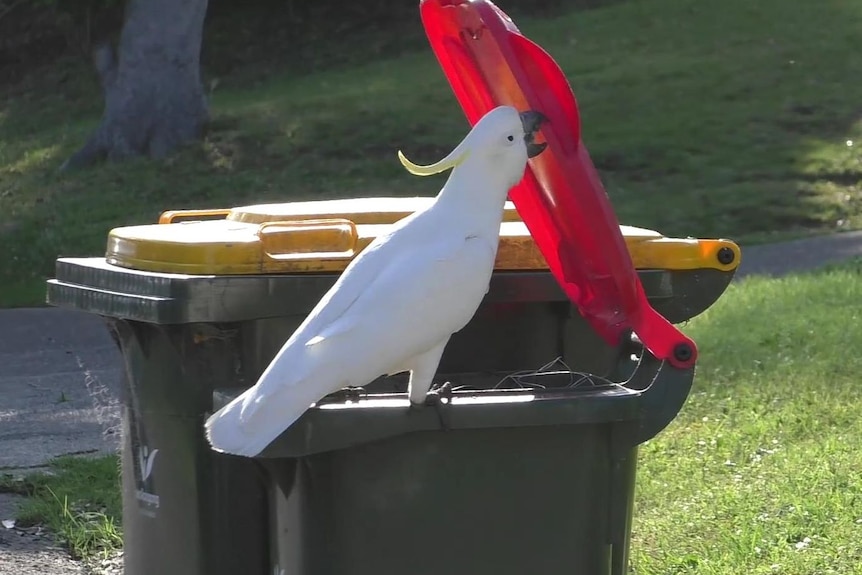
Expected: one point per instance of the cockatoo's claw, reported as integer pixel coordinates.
(349, 394)
(437, 392)
(435, 399)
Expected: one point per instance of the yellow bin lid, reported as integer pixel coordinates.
(323, 236)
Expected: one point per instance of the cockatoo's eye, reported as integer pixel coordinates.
(511, 138)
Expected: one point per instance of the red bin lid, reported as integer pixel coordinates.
(561, 200)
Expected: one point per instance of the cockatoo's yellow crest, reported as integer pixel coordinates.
(446, 163)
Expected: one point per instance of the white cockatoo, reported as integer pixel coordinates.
(395, 306)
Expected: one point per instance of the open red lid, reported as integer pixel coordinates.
(489, 63)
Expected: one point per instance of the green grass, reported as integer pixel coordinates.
(762, 472)
(726, 119)
(79, 501)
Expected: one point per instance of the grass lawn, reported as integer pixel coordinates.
(734, 119)
(760, 473)
(79, 500)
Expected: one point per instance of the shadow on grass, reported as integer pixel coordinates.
(711, 125)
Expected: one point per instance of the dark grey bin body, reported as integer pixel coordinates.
(181, 502)
(188, 510)
(500, 483)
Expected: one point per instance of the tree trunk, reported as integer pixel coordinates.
(154, 99)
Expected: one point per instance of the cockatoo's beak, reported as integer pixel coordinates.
(455, 157)
(532, 122)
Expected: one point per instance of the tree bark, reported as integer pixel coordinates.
(154, 98)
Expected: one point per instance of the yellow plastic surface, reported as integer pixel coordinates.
(358, 210)
(323, 236)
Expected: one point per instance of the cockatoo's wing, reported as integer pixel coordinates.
(423, 292)
(359, 274)
(394, 311)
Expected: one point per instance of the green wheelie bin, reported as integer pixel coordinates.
(525, 462)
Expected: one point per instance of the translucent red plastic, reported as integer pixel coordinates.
(561, 200)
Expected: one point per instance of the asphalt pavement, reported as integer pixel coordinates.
(59, 379)
(60, 371)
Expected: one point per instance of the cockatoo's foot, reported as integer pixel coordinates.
(348, 394)
(438, 391)
(439, 397)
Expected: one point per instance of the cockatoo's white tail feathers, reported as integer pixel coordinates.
(231, 431)
(225, 435)
(223, 429)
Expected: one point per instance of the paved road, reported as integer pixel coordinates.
(799, 255)
(60, 370)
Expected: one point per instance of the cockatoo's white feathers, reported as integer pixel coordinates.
(397, 303)
(338, 327)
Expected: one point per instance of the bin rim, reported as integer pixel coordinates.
(642, 405)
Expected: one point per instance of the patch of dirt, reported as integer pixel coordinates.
(34, 551)
(31, 550)
(112, 565)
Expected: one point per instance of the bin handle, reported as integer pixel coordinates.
(170, 216)
(343, 230)
(685, 254)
